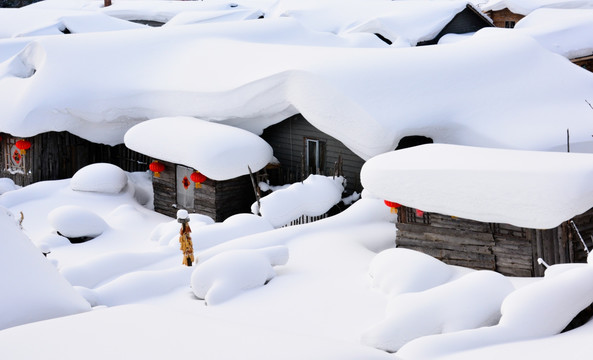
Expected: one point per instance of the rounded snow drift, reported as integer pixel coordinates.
(100, 177)
(76, 223)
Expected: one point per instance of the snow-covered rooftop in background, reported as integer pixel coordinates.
(256, 73)
(524, 7)
(524, 188)
(563, 31)
(201, 145)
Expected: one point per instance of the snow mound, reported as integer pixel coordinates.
(537, 310)
(398, 270)
(32, 289)
(226, 275)
(6, 185)
(233, 227)
(74, 221)
(469, 302)
(312, 197)
(100, 177)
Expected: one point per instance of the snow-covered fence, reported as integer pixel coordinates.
(305, 219)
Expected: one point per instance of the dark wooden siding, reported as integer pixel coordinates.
(287, 140)
(466, 21)
(216, 199)
(505, 248)
(59, 155)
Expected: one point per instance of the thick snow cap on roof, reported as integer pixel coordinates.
(564, 31)
(496, 89)
(522, 188)
(218, 151)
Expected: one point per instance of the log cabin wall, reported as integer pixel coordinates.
(504, 248)
(287, 140)
(59, 155)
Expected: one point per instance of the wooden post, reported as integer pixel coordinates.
(255, 190)
(106, 3)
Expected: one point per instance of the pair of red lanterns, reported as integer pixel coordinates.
(394, 206)
(197, 177)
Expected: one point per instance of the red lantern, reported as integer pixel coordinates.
(23, 145)
(198, 178)
(419, 213)
(393, 205)
(157, 168)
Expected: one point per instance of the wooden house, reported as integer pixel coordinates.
(507, 249)
(504, 18)
(469, 20)
(302, 149)
(174, 189)
(58, 155)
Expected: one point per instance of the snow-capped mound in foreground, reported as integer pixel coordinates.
(469, 302)
(398, 270)
(228, 274)
(100, 177)
(537, 310)
(31, 287)
(532, 189)
(74, 221)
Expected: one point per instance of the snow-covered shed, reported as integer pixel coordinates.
(485, 208)
(203, 167)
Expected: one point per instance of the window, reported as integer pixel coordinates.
(14, 160)
(185, 188)
(509, 24)
(314, 156)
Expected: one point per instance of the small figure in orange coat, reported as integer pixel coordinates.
(187, 247)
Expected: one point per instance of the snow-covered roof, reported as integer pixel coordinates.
(485, 91)
(524, 7)
(563, 31)
(524, 188)
(218, 151)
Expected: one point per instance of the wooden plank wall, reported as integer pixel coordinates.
(216, 199)
(287, 140)
(505, 248)
(59, 155)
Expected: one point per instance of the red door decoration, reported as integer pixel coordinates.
(185, 182)
(393, 205)
(157, 168)
(198, 178)
(23, 146)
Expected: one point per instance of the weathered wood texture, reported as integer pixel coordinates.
(287, 140)
(467, 21)
(59, 155)
(216, 199)
(586, 62)
(500, 18)
(504, 248)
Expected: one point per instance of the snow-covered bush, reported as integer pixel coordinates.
(31, 288)
(469, 302)
(398, 270)
(312, 197)
(226, 275)
(74, 221)
(100, 177)
(6, 185)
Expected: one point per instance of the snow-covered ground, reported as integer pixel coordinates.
(333, 289)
